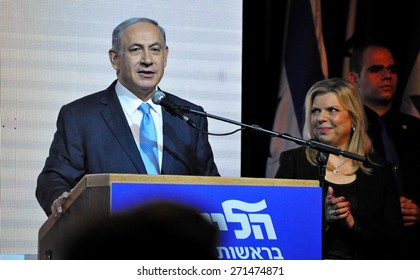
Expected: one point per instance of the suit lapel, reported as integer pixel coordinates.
(114, 117)
(168, 144)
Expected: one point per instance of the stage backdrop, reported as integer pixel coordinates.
(53, 52)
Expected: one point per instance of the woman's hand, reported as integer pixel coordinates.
(338, 209)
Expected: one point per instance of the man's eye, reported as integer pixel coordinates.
(392, 69)
(376, 69)
(155, 50)
(381, 69)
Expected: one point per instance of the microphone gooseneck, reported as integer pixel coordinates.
(160, 98)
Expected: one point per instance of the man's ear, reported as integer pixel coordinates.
(114, 59)
(165, 54)
(352, 77)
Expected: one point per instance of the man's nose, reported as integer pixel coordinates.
(146, 58)
(387, 73)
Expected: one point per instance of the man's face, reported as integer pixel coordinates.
(378, 77)
(141, 62)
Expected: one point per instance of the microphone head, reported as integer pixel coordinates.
(157, 97)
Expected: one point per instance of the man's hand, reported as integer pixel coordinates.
(57, 206)
(410, 211)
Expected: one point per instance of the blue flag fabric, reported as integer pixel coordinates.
(304, 63)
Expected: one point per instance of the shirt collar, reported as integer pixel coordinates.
(131, 102)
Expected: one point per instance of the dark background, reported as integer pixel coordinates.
(394, 23)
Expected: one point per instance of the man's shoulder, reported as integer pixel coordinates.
(408, 120)
(94, 98)
(405, 125)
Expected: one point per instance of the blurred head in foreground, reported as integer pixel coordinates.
(159, 230)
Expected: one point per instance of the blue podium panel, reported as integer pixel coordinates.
(255, 222)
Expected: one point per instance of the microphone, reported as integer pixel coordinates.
(160, 98)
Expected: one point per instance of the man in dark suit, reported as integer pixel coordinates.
(394, 135)
(99, 133)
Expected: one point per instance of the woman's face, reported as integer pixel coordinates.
(330, 122)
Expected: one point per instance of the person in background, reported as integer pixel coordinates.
(154, 230)
(395, 136)
(362, 208)
(99, 133)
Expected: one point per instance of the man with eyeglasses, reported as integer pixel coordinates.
(395, 136)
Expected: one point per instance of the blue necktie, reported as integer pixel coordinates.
(148, 141)
(389, 147)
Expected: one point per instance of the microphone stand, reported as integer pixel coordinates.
(324, 151)
(311, 143)
(322, 159)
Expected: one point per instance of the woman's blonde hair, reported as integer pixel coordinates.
(349, 97)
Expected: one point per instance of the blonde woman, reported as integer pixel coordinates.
(362, 206)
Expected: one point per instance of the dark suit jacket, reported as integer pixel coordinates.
(405, 132)
(378, 230)
(93, 136)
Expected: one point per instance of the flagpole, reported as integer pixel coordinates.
(349, 43)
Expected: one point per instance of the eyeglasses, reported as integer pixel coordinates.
(381, 69)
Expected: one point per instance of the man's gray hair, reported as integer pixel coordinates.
(116, 34)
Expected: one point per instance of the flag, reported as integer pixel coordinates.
(410, 103)
(349, 43)
(304, 62)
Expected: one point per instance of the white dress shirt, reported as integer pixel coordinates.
(130, 104)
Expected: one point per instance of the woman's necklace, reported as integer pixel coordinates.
(336, 169)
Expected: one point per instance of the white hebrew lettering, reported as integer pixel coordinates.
(268, 223)
(279, 255)
(228, 207)
(220, 220)
(206, 216)
(232, 252)
(256, 253)
(221, 250)
(247, 252)
(270, 256)
(242, 252)
(246, 220)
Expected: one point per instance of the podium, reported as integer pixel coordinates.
(258, 218)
